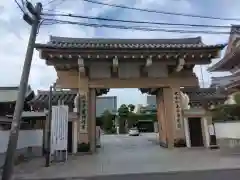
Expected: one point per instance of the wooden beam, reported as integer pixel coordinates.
(191, 81)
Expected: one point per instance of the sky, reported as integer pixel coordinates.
(14, 33)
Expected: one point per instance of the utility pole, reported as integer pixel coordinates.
(33, 19)
(49, 126)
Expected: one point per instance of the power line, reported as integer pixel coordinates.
(19, 6)
(55, 21)
(52, 1)
(132, 21)
(162, 12)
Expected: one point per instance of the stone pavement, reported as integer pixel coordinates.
(122, 154)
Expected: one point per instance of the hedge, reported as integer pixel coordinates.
(226, 112)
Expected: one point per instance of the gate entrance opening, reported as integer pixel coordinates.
(155, 66)
(195, 130)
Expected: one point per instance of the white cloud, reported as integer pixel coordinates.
(14, 31)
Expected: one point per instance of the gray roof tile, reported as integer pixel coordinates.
(9, 94)
(82, 43)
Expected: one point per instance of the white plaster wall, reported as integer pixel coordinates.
(100, 70)
(158, 69)
(27, 138)
(227, 130)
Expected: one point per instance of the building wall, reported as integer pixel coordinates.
(26, 139)
(106, 103)
(151, 100)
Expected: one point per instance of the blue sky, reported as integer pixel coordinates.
(14, 33)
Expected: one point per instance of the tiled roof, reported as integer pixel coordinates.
(66, 96)
(224, 80)
(83, 43)
(204, 94)
(230, 58)
(9, 94)
(200, 94)
(233, 84)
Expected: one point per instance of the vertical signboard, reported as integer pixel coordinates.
(59, 129)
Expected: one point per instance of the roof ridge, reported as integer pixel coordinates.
(190, 40)
(55, 92)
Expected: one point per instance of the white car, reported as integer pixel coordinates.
(133, 132)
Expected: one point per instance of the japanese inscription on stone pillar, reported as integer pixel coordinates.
(178, 109)
(83, 110)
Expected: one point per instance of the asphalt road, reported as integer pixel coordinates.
(196, 175)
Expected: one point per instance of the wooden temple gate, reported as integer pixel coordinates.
(155, 66)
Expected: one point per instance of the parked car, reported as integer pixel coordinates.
(133, 132)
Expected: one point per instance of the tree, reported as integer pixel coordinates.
(123, 110)
(123, 113)
(107, 119)
(237, 98)
(131, 107)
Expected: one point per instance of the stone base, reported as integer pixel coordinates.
(163, 144)
(83, 138)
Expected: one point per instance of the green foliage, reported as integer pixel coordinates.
(123, 110)
(83, 147)
(131, 107)
(107, 119)
(151, 116)
(126, 115)
(237, 98)
(121, 123)
(228, 112)
(132, 119)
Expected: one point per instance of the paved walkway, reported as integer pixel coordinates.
(122, 154)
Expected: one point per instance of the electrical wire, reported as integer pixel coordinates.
(52, 1)
(55, 21)
(19, 6)
(132, 21)
(161, 12)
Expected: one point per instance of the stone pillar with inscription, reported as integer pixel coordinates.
(178, 117)
(162, 130)
(92, 119)
(83, 91)
(168, 99)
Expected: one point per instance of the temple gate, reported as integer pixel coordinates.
(159, 66)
